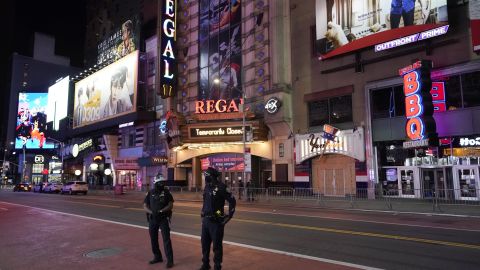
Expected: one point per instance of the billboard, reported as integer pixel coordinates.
(107, 93)
(32, 121)
(223, 162)
(57, 108)
(121, 42)
(168, 63)
(348, 25)
(220, 49)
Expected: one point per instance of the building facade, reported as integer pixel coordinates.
(352, 82)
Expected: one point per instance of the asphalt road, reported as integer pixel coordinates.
(381, 240)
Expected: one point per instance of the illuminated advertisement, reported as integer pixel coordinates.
(168, 62)
(418, 103)
(32, 121)
(107, 93)
(223, 162)
(474, 12)
(348, 25)
(220, 49)
(57, 105)
(123, 41)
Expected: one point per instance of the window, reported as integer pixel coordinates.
(330, 111)
(37, 168)
(388, 102)
(128, 138)
(471, 89)
(453, 92)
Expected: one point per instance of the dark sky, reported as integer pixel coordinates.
(63, 19)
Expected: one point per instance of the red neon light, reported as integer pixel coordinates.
(415, 128)
(438, 96)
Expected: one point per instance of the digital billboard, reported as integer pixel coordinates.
(32, 121)
(345, 26)
(121, 42)
(220, 49)
(57, 108)
(107, 93)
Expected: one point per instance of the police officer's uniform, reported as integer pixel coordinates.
(156, 200)
(213, 217)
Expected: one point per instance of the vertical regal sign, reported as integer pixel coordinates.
(418, 103)
(168, 62)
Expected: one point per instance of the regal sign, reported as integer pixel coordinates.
(168, 63)
(217, 106)
(418, 101)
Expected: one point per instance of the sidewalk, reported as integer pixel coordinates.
(34, 238)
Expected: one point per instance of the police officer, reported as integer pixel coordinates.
(158, 204)
(213, 217)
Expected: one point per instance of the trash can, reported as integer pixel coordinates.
(118, 189)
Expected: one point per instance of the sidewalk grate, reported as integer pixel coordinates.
(102, 253)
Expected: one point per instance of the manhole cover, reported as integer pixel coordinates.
(102, 253)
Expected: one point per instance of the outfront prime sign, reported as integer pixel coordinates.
(168, 62)
(442, 30)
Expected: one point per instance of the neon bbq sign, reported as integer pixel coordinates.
(418, 101)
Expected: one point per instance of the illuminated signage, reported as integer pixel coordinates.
(57, 107)
(217, 106)
(77, 148)
(107, 93)
(39, 159)
(163, 127)
(438, 97)
(348, 26)
(418, 101)
(168, 62)
(272, 106)
(125, 125)
(31, 125)
(442, 30)
(217, 131)
(470, 142)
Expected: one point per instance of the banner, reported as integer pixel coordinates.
(223, 162)
(220, 49)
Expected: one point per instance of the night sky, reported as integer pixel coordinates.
(63, 19)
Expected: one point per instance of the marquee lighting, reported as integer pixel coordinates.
(168, 64)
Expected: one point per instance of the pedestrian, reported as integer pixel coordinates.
(214, 218)
(158, 204)
(249, 191)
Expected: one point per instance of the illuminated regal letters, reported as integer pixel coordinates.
(168, 65)
(218, 106)
(418, 101)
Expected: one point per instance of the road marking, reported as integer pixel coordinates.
(198, 237)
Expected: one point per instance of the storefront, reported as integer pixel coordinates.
(127, 173)
(448, 171)
(151, 167)
(333, 163)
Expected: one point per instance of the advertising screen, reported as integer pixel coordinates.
(220, 49)
(121, 42)
(57, 108)
(348, 25)
(32, 121)
(223, 162)
(107, 93)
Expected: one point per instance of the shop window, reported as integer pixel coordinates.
(37, 168)
(407, 179)
(388, 102)
(340, 109)
(467, 183)
(471, 89)
(453, 92)
(318, 113)
(330, 111)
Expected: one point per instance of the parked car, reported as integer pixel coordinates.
(53, 187)
(22, 187)
(40, 187)
(75, 187)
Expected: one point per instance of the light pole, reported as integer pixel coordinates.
(61, 154)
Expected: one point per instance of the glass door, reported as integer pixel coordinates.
(466, 183)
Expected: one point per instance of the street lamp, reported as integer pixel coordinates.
(61, 153)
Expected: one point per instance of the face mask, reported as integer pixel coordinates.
(159, 185)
